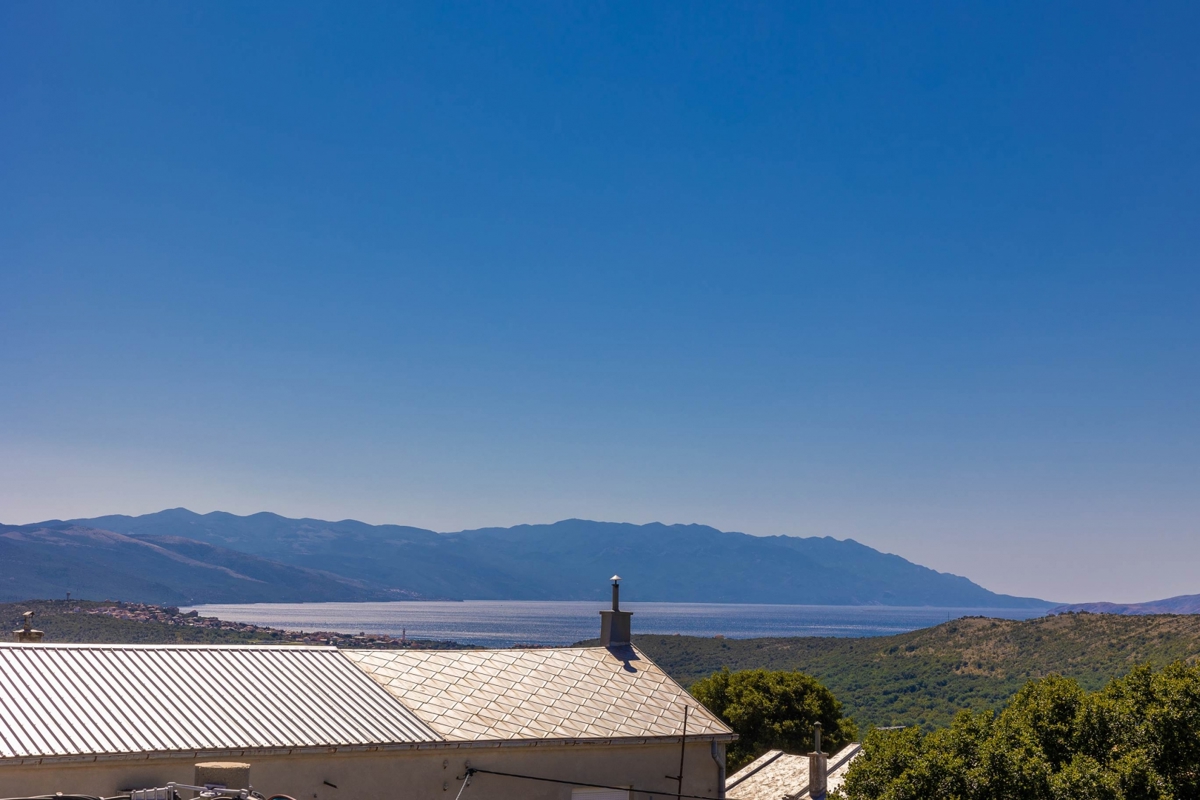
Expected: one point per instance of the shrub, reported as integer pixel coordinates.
(1138, 737)
(773, 710)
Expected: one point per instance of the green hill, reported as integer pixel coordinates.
(925, 676)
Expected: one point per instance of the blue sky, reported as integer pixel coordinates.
(925, 277)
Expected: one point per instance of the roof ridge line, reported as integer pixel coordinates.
(778, 754)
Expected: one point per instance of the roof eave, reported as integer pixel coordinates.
(350, 748)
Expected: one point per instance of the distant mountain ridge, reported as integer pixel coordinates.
(1182, 604)
(264, 557)
(46, 560)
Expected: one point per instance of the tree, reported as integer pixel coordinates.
(1138, 737)
(773, 710)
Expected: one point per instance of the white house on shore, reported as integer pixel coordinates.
(319, 723)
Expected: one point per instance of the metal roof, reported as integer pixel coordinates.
(562, 693)
(777, 775)
(68, 700)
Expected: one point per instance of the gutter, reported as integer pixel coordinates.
(159, 755)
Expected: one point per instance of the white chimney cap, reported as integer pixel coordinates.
(615, 578)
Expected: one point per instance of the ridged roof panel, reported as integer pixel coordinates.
(66, 700)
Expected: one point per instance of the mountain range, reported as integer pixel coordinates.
(180, 557)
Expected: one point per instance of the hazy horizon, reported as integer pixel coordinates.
(925, 278)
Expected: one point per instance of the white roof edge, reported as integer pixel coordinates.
(431, 744)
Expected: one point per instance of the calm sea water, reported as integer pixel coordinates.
(505, 623)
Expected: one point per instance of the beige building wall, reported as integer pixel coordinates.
(427, 774)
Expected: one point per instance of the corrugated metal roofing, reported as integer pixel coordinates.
(563, 693)
(66, 700)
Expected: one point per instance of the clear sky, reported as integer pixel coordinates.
(922, 275)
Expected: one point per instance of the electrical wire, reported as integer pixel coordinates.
(466, 783)
(634, 790)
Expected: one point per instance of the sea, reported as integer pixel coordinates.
(506, 623)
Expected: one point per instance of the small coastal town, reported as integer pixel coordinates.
(169, 615)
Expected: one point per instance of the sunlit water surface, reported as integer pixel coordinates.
(502, 623)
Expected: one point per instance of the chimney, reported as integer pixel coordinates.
(817, 766)
(27, 633)
(615, 624)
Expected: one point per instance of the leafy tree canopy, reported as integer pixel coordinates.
(1138, 737)
(773, 711)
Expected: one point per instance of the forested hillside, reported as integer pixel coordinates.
(1136, 739)
(926, 676)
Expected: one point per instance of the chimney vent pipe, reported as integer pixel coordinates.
(615, 624)
(817, 768)
(27, 633)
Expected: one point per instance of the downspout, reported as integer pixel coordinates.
(719, 757)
